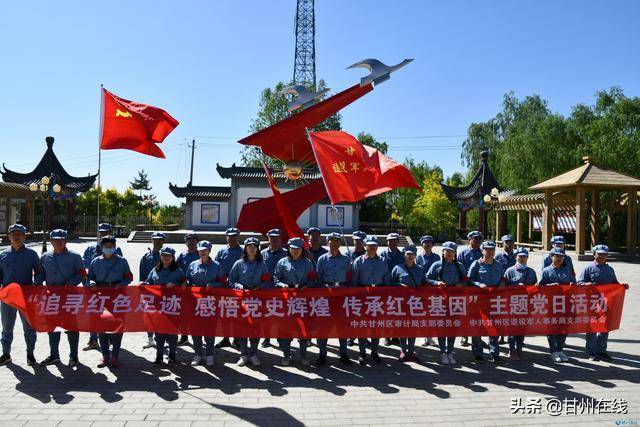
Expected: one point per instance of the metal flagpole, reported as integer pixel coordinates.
(335, 210)
(101, 121)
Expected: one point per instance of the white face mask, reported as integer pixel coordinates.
(108, 251)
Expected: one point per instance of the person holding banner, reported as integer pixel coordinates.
(249, 272)
(467, 256)
(184, 261)
(109, 270)
(370, 270)
(227, 257)
(334, 270)
(598, 273)
(519, 275)
(483, 273)
(166, 273)
(412, 275)
(147, 263)
(271, 255)
(18, 264)
(358, 250)
(426, 259)
(294, 272)
(91, 252)
(61, 267)
(204, 272)
(448, 272)
(558, 273)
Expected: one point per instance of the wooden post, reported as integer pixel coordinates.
(580, 220)
(631, 221)
(530, 226)
(610, 242)
(518, 226)
(595, 217)
(547, 220)
(497, 225)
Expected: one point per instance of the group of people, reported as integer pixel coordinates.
(295, 266)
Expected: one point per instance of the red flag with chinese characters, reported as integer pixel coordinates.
(353, 171)
(133, 126)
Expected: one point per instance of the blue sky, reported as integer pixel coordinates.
(207, 61)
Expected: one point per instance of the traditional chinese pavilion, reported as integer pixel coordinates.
(471, 196)
(62, 202)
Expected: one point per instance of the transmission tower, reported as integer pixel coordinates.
(304, 67)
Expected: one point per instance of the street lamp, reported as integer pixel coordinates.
(41, 191)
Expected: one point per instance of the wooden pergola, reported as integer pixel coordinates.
(567, 194)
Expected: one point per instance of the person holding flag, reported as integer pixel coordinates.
(294, 272)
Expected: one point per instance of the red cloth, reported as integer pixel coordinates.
(353, 171)
(390, 311)
(281, 210)
(287, 139)
(133, 126)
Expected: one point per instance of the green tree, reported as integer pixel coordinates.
(140, 183)
(432, 209)
(272, 108)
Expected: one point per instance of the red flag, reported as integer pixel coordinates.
(353, 171)
(133, 126)
(287, 139)
(281, 210)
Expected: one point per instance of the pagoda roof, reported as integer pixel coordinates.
(482, 183)
(591, 175)
(205, 192)
(258, 173)
(49, 166)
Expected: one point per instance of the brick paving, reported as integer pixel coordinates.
(138, 394)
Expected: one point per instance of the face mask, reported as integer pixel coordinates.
(108, 251)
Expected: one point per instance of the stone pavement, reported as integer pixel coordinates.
(389, 394)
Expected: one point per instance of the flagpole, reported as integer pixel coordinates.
(101, 121)
(335, 210)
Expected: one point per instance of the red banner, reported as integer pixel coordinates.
(322, 312)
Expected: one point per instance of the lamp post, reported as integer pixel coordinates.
(41, 191)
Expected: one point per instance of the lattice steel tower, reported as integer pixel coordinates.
(304, 67)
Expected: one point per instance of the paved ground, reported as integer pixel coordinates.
(469, 394)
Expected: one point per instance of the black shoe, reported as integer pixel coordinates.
(171, 360)
(184, 340)
(31, 360)
(322, 360)
(593, 357)
(265, 343)
(351, 342)
(158, 361)
(345, 359)
(376, 357)
(51, 360)
(104, 363)
(6, 358)
(362, 359)
(605, 356)
(224, 343)
(91, 345)
(73, 361)
(496, 359)
(465, 342)
(479, 359)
